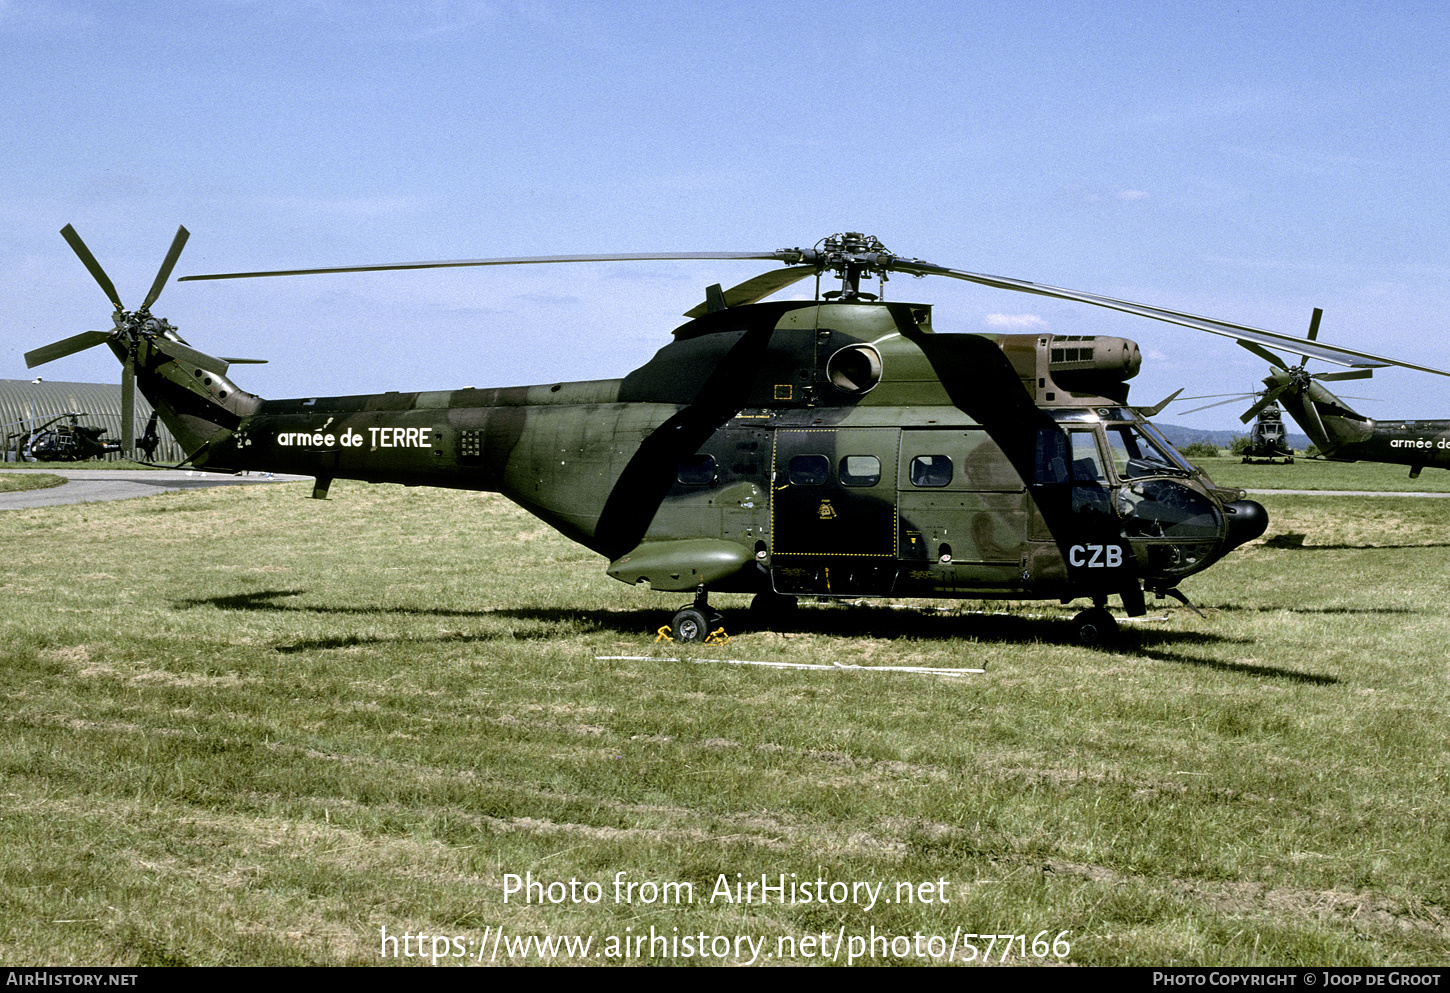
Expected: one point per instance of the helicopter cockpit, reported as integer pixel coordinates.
(1127, 478)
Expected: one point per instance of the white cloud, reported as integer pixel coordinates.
(1015, 321)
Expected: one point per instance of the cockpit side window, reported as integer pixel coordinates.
(1087, 461)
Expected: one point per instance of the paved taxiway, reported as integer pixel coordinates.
(92, 485)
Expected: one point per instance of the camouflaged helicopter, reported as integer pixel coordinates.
(1341, 433)
(831, 447)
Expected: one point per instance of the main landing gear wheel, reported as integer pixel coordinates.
(690, 625)
(1095, 627)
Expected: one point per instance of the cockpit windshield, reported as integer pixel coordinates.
(1140, 450)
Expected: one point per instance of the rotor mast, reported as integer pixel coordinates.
(851, 256)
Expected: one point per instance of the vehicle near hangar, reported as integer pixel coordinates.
(833, 447)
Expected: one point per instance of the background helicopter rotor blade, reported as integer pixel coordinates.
(1233, 399)
(1314, 324)
(172, 254)
(89, 261)
(1313, 409)
(66, 346)
(128, 404)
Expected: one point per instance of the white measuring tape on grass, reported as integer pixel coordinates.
(928, 670)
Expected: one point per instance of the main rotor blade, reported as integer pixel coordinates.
(174, 253)
(1289, 343)
(757, 288)
(67, 346)
(89, 260)
(783, 255)
(128, 404)
(190, 356)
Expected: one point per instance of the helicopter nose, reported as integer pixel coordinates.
(1247, 519)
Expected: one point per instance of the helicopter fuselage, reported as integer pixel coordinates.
(831, 449)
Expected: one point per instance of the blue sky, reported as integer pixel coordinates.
(1247, 162)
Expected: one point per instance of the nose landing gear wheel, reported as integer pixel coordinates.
(1095, 627)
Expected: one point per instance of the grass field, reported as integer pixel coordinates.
(246, 727)
(12, 482)
(1319, 474)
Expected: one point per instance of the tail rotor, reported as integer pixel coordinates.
(1299, 383)
(136, 335)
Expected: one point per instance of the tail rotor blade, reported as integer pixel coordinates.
(1314, 324)
(1268, 398)
(1264, 353)
(67, 346)
(1353, 374)
(190, 356)
(89, 260)
(1313, 409)
(128, 404)
(177, 244)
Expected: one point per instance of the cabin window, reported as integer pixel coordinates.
(1051, 456)
(860, 470)
(808, 470)
(931, 470)
(697, 470)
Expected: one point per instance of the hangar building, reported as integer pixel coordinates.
(24, 402)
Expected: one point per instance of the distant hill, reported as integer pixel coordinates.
(1181, 436)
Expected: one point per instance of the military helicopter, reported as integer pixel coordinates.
(1268, 441)
(832, 447)
(73, 442)
(1341, 433)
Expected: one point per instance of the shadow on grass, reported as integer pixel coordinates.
(1241, 668)
(837, 621)
(1293, 541)
(1264, 608)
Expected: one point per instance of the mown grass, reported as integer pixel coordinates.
(1320, 474)
(14, 482)
(246, 727)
